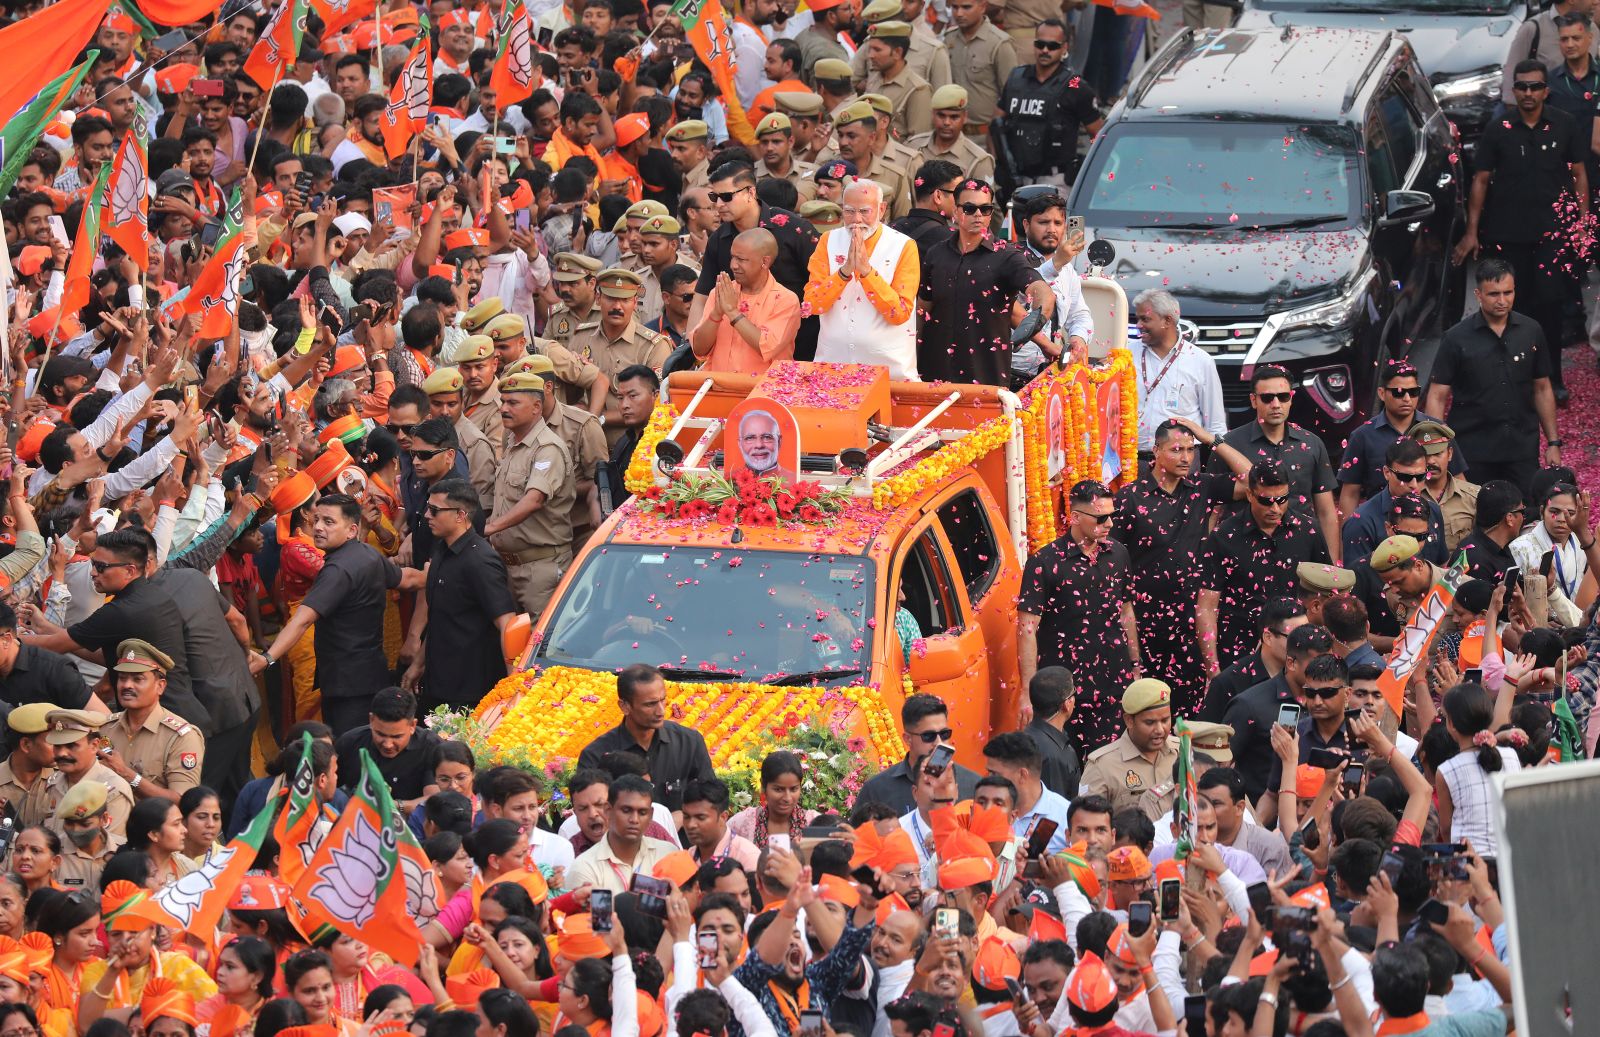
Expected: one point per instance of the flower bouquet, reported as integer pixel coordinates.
(745, 500)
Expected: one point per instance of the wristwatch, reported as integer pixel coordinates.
(135, 781)
(1552, 442)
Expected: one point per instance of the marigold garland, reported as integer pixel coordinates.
(641, 474)
(952, 457)
(553, 714)
(1036, 479)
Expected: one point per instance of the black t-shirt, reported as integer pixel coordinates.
(1079, 604)
(797, 239)
(1529, 170)
(1491, 386)
(1042, 119)
(145, 611)
(41, 676)
(407, 774)
(1163, 531)
(1246, 567)
(349, 596)
(467, 590)
(966, 299)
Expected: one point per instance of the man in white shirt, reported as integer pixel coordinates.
(750, 48)
(626, 851)
(1176, 378)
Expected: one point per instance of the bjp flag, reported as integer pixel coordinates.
(128, 199)
(407, 112)
(85, 246)
(336, 15)
(42, 46)
(279, 44)
(516, 73)
(705, 24)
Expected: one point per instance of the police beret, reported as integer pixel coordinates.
(575, 266)
(138, 656)
(1433, 436)
(522, 381)
(482, 313)
(619, 283)
(689, 129)
(30, 719)
(950, 97)
(777, 122)
(1393, 551)
(82, 801)
(443, 380)
(474, 347)
(857, 111)
(506, 327)
(663, 225)
(798, 102)
(831, 69)
(1146, 693)
(646, 209)
(1325, 578)
(891, 30)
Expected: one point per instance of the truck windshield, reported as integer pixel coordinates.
(1221, 174)
(757, 615)
(1455, 7)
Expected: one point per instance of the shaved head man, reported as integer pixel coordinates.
(750, 319)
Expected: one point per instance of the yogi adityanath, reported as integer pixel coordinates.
(750, 320)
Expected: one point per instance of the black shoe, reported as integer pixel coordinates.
(1562, 396)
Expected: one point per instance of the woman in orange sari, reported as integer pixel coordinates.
(72, 922)
(245, 971)
(299, 561)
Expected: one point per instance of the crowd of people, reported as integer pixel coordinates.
(290, 455)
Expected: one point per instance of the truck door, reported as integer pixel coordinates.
(953, 662)
(991, 578)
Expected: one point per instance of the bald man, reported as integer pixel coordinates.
(750, 320)
(863, 283)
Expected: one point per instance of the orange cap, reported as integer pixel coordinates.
(31, 259)
(1307, 781)
(988, 823)
(996, 962)
(464, 990)
(888, 906)
(347, 358)
(897, 849)
(1045, 926)
(1078, 864)
(32, 439)
(163, 997)
(631, 127)
(579, 940)
(329, 464)
(1127, 864)
(1090, 986)
(126, 908)
(348, 428)
(13, 960)
(1118, 946)
(1313, 896)
(292, 492)
(840, 891)
(677, 868)
(1261, 964)
(1168, 869)
(963, 872)
(466, 237)
(116, 21)
(532, 881)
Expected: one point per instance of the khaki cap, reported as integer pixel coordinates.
(892, 30)
(689, 129)
(621, 226)
(880, 11)
(880, 103)
(859, 111)
(777, 122)
(798, 102)
(1393, 551)
(1325, 578)
(506, 327)
(443, 380)
(821, 213)
(533, 363)
(831, 69)
(1146, 693)
(646, 209)
(1433, 436)
(474, 347)
(30, 719)
(663, 225)
(481, 314)
(82, 801)
(522, 381)
(575, 266)
(619, 283)
(138, 656)
(950, 97)
(1215, 740)
(69, 725)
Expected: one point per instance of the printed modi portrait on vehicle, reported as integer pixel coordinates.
(765, 440)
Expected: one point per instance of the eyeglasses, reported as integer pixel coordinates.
(433, 510)
(1326, 691)
(101, 567)
(426, 455)
(951, 189)
(1406, 394)
(1529, 86)
(1099, 520)
(1272, 502)
(930, 737)
(1048, 44)
(977, 208)
(1275, 397)
(685, 297)
(728, 196)
(1411, 477)
(858, 210)
(20, 1031)
(766, 437)
(402, 430)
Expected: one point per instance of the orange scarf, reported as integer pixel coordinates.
(1403, 1024)
(791, 1005)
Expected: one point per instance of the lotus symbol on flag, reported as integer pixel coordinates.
(519, 52)
(347, 886)
(422, 890)
(417, 88)
(182, 898)
(232, 272)
(131, 187)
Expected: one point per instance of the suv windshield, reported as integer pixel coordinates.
(758, 615)
(1379, 7)
(1221, 174)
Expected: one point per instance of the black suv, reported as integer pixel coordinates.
(1463, 45)
(1296, 190)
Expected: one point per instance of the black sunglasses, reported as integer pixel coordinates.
(930, 737)
(101, 567)
(427, 455)
(1326, 691)
(1532, 86)
(1409, 476)
(1411, 393)
(1048, 44)
(977, 208)
(686, 297)
(434, 510)
(402, 430)
(727, 196)
(1275, 397)
(1272, 502)
(1099, 520)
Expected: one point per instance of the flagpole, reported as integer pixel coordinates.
(277, 76)
(377, 44)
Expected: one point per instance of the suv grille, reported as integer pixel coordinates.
(1224, 339)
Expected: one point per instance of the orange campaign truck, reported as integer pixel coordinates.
(813, 546)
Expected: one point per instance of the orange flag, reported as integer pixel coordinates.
(1412, 646)
(409, 100)
(42, 46)
(337, 14)
(128, 201)
(516, 73)
(279, 44)
(85, 245)
(712, 36)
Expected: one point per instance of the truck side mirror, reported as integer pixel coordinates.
(941, 660)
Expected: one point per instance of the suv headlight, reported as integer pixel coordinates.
(1334, 313)
(1484, 85)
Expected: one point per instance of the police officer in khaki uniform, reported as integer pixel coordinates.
(885, 144)
(476, 319)
(804, 110)
(509, 333)
(690, 144)
(1319, 582)
(824, 216)
(585, 441)
(888, 45)
(89, 841)
(1143, 756)
(635, 217)
(776, 144)
(24, 773)
(534, 489)
(157, 752)
(617, 340)
(480, 400)
(927, 56)
(1215, 741)
(832, 77)
(74, 735)
(981, 57)
(947, 143)
(858, 127)
(660, 246)
(574, 276)
(444, 401)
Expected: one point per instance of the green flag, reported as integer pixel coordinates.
(18, 136)
(1568, 735)
(1183, 807)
